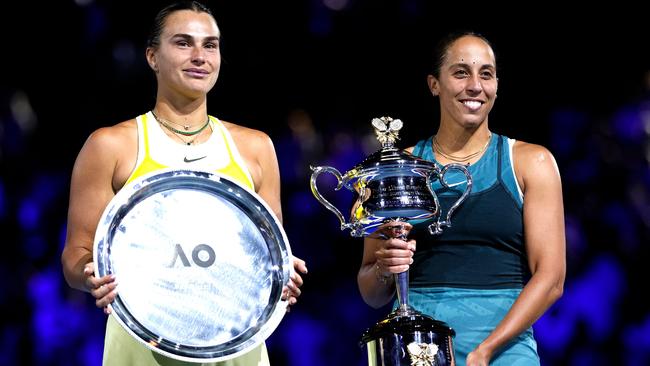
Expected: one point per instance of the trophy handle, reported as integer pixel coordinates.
(436, 215)
(436, 227)
(316, 171)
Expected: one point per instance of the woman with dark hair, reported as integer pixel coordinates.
(183, 51)
(502, 264)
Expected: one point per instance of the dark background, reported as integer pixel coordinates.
(312, 74)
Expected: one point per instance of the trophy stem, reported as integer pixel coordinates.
(402, 289)
(401, 279)
(407, 336)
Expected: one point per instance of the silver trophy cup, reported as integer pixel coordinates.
(392, 185)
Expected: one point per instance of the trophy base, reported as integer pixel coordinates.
(407, 337)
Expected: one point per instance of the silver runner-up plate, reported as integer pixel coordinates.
(200, 262)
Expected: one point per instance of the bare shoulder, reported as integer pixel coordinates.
(114, 136)
(527, 153)
(532, 162)
(110, 150)
(245, 134)
(249, 141)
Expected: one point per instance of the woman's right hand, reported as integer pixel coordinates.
(103, 289)
(393, 252)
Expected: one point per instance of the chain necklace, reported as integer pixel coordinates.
(191, 141)
(177, 132)
(168, 124)
(459, 159)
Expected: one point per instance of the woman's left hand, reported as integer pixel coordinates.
(477, 358)
(292, 290)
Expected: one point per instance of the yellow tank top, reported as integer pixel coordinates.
(157, 151)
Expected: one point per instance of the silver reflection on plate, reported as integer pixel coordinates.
(200, 261)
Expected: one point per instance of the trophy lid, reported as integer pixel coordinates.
(387, 131)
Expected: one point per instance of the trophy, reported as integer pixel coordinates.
(189, 289)
(393, 185)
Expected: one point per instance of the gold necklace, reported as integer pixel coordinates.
(168, 124)
(459, 159)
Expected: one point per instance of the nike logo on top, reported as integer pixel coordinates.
(195, 159)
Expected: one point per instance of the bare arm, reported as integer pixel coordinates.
(539, 178)
(381, 259)
(258, 152)
(91, 189)
(268, 182)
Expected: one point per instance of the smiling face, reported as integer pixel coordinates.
(187, 59)
(467, 82)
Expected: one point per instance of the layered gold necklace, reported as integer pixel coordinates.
(459, 159)
(168, 125)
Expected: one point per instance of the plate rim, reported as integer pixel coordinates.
(125, 195)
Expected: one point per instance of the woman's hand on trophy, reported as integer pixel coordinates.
(291, 292)
(478, 357)
(103, 289)
(393, 251)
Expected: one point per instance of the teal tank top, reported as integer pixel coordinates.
(484, 247)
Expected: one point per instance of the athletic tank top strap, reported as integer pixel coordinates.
(235, 168)
(144, 163)
(507, 176)
(420, 146)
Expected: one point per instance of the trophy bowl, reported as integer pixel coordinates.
(390, 184)
(394, 185)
